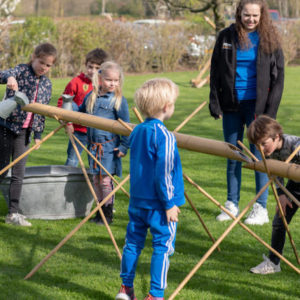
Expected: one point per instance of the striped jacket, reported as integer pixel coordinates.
(155, 168)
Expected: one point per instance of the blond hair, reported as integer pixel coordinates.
(154, 94)
(117, 99)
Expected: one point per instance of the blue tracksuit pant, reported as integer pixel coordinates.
(163, 243)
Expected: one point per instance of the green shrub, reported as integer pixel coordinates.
(25, 37)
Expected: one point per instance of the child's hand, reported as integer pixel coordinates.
(119, 153)
(12, 83)
(69, 128)
(172, 214)
(284, 201)
(36, 142)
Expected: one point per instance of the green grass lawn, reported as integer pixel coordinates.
(87, 266)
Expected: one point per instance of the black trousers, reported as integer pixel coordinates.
(278, 229)
(12, 146)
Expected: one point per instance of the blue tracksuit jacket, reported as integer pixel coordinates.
(155, 167)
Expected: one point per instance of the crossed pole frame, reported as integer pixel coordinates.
(72, 137)
(237, 220)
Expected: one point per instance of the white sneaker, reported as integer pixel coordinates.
(232, 208)
(266, 267)
(17, 219)
(258, 215)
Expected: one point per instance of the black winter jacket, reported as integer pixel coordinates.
(270, 77)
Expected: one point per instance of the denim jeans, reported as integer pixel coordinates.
(233, 130)
(72, 159)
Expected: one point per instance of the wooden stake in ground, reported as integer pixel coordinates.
(200, 219)
(53, 251)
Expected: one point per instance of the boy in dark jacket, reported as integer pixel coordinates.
(268, 133)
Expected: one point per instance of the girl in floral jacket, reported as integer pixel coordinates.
(15, 131)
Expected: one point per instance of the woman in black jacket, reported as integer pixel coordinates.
(247, 75)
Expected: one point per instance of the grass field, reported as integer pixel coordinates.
(87, 266)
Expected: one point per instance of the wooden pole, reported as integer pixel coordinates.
(188, 142)
(53, 251)
(190, 116)
(31, 149)
(137, 113)
(200, 218)
(94, 194)
(198, 79)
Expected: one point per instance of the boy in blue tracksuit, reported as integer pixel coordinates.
(156, 188)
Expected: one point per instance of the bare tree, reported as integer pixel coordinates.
(197, 6)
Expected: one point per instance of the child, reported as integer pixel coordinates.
(156, 188)
(79, 87)
(106, 101)
(267, 132)
(15, 131)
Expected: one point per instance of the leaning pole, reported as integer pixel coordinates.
(184, 141)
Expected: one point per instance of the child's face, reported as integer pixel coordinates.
(269, 145)
(41, 65)
(109, 80)
(91, 68)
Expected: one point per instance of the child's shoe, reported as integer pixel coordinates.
(150, 297)
(126, 293)
(266, 267)
(258, 215)
(229, 205)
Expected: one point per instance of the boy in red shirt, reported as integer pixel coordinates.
(79, 86)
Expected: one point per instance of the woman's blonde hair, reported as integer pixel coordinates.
(108, 65)
(154, 94)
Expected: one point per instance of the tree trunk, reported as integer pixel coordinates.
(217, 9)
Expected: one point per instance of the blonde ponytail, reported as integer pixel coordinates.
(93, 96)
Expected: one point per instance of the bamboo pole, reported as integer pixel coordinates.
(94, 194)
(190, 116)
(31, 149)
(198, 79)
(137, 113)
(53, 251)
(200, 218)
(184, 141)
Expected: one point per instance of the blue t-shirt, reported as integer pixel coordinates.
(245, 81)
